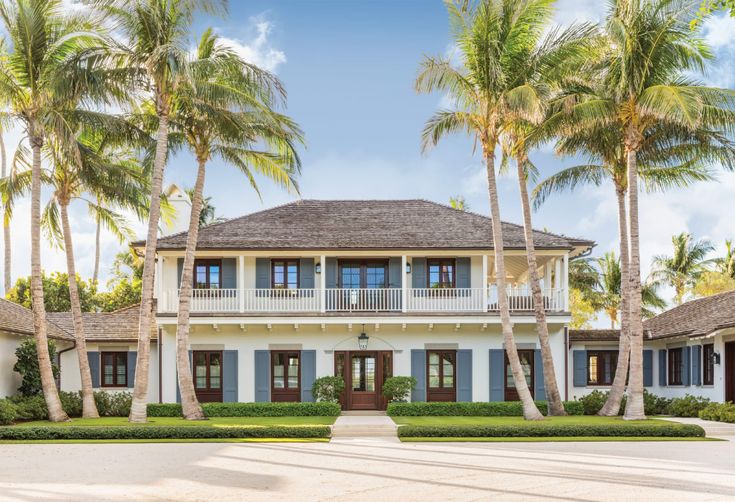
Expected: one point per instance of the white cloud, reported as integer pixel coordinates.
(718, 31)
(259, 50)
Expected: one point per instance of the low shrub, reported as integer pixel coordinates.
(251, 409)
(718, 412)
(327, 389)
(30, 407)
(71, 402)
(687, 406)
(113, 404)
(173, 432)
(109, 404)
(535, 429)
(8, 412)
(489, 409)
(398, 388)
(652, 404)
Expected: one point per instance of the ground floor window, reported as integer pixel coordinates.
(441, 375)
(526, 357)
(675, 366)
(114, 369)
(286, 375)
(708, 364)
(601, 366)
(208, 375)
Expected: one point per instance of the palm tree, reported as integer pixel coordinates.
(208, 214)
(495, 39)
(458, 202)
(726, 264)
(38, 82)
(156, 54)
(7, 276)
(682, 269)
(227, 113)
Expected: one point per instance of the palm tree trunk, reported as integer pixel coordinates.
(530, 411)
(89, 408)
(634, 407)
(7, 276)
(50, 393)
(96, 273)
(190, 406)
(556, 407)
(138, 408)
(611, 407)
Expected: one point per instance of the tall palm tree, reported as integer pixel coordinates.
(156, 55)
(7, 251)
(682, 269)
(208, 214)
(495, 39)
(726, 263)
(38, 82)
(226, 112)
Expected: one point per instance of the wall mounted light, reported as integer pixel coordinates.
(318, 268)
(715, 357)
(408, 268)
(362, 341)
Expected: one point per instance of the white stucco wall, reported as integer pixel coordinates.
(9, 379)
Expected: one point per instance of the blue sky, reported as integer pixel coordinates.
(348, 67)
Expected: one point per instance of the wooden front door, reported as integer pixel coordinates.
(730, 371)
(526, 357)
(208, 375)
(441, 375)
(364, 373)
(286, 376)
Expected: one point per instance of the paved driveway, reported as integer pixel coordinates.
(374, 470)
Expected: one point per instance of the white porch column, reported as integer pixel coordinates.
(547, 277)
(484, 283)
(404, 284)
(557, 283)
(241, 282)
(323, 284)
(565, 282)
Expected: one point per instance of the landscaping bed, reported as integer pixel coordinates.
(487, 409)
(321, 409)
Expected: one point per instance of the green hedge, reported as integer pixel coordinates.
(143, 432)
(322, 409)
(719, 412)
(491, 409)
(552, 430)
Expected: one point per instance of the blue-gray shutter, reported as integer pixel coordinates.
(308, 375)
(463, 272)
(697, 365)
(418, 371)
(331, 270)
(132, 361)
(262, 376)
(262, 273)
(229, 376)
(579, 368)
(394, 272)
(191, 366)
(464, 375)
(418, 272)
(306, 273)
(497, 375)
(647, 368)
(94, 367)
(662, 367)
(229, 273)
(539, 385)
(686, 366)
(179, 270)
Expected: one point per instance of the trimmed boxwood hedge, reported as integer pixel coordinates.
(552, 430)
(490, 409)
(161, 432)
(251, 409)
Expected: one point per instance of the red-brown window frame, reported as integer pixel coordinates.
(285, 262)
(708, 364)
(208, 262)
(439, 262)
(601, 368)
(115, 364)
(442, 353)
(363, 264)
(675, 362)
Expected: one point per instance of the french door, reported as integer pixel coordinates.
(286, 376)
(208, 375)
(364, 373)
(730, 371)
(363, 285)
(526, 357)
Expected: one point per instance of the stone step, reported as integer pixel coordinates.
(363, 431)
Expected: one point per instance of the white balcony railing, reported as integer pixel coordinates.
(359, 300)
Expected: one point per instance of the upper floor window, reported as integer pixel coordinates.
(208, 274)
(676, 358)
(708, 364)
(285, 274)
(601, 366)
(441, 273)
(114, 369)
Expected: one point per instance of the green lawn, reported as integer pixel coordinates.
(557, 439)
(569, 420)
(176, 421)
(209, 440)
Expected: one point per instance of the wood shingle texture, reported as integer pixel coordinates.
(17, 319)
(120, 325)
(694, 318)
(362, 224)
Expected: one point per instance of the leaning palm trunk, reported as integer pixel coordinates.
(634, 407)
(611, 407)
(556, 407)
(89, 407)
(50, 393)
(530, 411)
(96, 273)
(7, 277)
(190, 406)
(138, 408)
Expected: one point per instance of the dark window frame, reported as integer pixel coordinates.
(441, 354)
(601, 367)
(286, 387)
(675, 363)
(285, 263)
(440, 262)
(208, 364)
(708, 364)
(363, 265)
(115, 363)
(209, 262)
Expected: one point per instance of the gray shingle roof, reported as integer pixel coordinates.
(594, 335)
(121, 325)
(694, 318)
(16, 318)
(362, 224)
